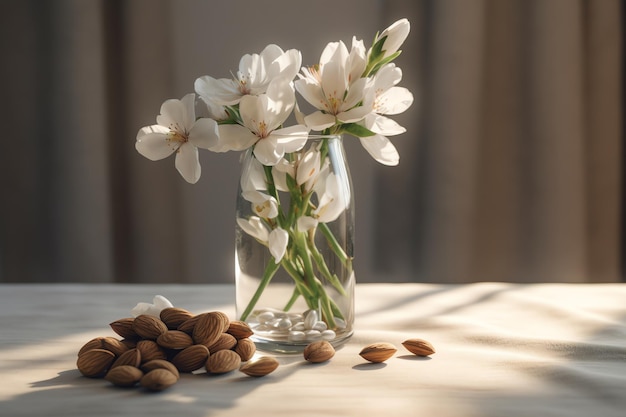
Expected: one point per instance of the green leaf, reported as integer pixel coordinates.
(356, 130)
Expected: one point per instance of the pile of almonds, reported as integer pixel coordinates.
(154, 351)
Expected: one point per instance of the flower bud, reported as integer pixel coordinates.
(396, 34)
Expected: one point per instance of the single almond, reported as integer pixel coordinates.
(124, 376)
(174, 317)
(114, 345)
(245, 349)
(239, 329)
(95, 363)
(158, 380)
(319, 351)
(209, 327)
(148, 327)
(223, 361)
(95, 343)
(174, 339)
(160, 364)
(150, 350)
(378, 352)
(191, 358)
(419, 347)
(124, 327)
(131, 357)
(260, 367)
(188, 325)
(224, 341)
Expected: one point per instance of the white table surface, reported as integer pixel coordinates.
(502, 350)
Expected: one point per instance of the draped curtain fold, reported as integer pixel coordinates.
(511, 167)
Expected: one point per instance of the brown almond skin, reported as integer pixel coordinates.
(124, 376)
(124, 328)
(114, 345)
(245, 349)
(148, 327)
(131, 357)
(160, 364)
(150, 350)
(225, 341)
(174, 339)
(188, 325)
(174, 317)
(191, 358)
(239, 329)
(378, 352)
(158, 380)
(223, 361)
(320, 351)
(208, 328)
(260, 367)
(95, 363)
(95, 343)
(419, 347)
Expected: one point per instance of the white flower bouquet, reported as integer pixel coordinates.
(351, 91)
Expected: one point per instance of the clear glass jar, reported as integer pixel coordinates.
(300, 212)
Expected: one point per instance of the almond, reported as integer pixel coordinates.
(158, 380)
(239, 329)
(131, 357)
(209, 327)
(160, 364)
(114, 345)
(378, 352)
(260, 367)
(150, 350)
(174, 317)
(148, 327)
(319, 351)
(225, 341)
(95, 343)
(419, 347)
(95, 363)
(188, 325)
(124, 376)
(174, 339)
(191, 358)
(223, 361)
(124, 327)
(245, 349)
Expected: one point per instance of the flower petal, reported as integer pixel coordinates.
(235, 138)
(291, 138)
(383, 125)
(394, 101)
(319, 120)
(204, 134)
(311, 92)
(306, 223)
(381, 149)
(222, 91)
(153, 142)
(278, 241)
(188, 163)
(255, 228)
(267, 151)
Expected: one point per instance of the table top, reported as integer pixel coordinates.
(502, 350)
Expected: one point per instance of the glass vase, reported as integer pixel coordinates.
(294, 247)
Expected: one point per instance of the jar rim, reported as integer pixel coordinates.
(319, 136)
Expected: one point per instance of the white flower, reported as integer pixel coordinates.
(333, 199)
(396, 35)
(262, 117)
(385, 98)
(331, 88)
(178, 131)
(276, 239)
(263, 205)
(158, 303)
(256, 71)
(304, 169)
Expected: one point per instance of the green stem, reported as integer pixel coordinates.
(334, 245)
(321, 264)
(270, 270)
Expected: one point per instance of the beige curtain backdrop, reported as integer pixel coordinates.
(511, 169)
